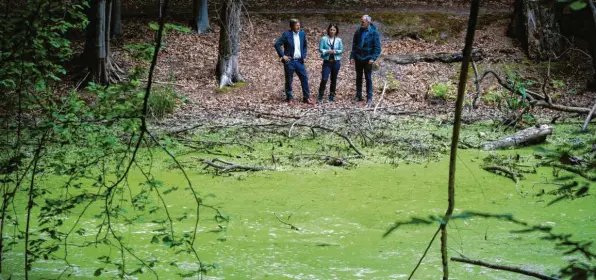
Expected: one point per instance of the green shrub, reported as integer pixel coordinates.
(162, 102)
(492, 97)
(442, 91)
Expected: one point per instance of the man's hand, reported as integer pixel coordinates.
(371, 61)
(285, 58)
(331, 51)
(351, 61)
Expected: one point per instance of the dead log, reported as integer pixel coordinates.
(532, 135)
(433, 57)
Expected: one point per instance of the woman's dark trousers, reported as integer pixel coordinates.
(329, 68)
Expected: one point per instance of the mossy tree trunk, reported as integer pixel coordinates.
(227, 69)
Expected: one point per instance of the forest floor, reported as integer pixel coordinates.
(187, 63)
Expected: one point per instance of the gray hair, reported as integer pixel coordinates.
(367, 18)
(293, 22)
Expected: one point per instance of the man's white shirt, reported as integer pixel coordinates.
(297, 54)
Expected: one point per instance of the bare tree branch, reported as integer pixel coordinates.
(504, 267)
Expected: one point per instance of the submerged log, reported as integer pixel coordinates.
(432, 57)
(532, 135)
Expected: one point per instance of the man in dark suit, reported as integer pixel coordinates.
(293, 55)
(366, 47)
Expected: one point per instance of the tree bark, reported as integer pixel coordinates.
(536, 27)
(100, 43)
(532, 135)
(227, 69)
(97, 46)
(592, 8)
(116, 20)
(200, 17)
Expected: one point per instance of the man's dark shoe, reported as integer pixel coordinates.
(308, 101)
(357, 99)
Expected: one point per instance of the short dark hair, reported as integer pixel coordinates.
(333, 25)
(293, 22)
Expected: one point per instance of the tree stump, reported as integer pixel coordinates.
(532, 135)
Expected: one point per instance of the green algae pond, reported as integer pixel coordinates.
(310, 222)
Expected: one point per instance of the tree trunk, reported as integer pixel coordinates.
(116, 21)
(100, 74)
(592, 8)
(97, 46)
(227, 69)
(200, 17)
(532, 135)
(159, 8)
(535, 26)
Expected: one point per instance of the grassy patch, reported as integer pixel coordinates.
(162, 102)
(445, 91)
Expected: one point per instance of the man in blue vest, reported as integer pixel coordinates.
(293, 56)
(366, 48)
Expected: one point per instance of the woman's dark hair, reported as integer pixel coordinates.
(336, 28)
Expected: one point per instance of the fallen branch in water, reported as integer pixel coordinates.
(344, 136)
(331, 160)
(507, 172)
(228, 166)
(286, 223)
(504, 267)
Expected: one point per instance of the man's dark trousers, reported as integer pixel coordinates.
(291, 66)
(363, 67)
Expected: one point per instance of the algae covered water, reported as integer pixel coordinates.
(325, 222)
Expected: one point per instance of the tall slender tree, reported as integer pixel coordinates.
(97, 54)
(200, 17)
(228, 71)
(116, 20)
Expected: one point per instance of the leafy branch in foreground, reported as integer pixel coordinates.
(72, 155)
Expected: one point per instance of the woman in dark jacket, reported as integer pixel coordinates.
(331, 48)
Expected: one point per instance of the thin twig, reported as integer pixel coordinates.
(477, 83)
(424, 254)
(164, 83)
(380, 99)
